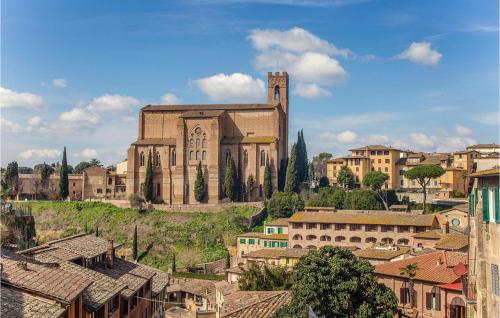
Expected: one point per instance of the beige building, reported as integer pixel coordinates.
(485, 148)
(180, 136)
(253, 241)
(484, 247)
(313, 230)
(100, 183)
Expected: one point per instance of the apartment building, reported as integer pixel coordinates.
(438, 284)
(253, 241)
(484, 246)
(485, 148)
(117, 288)
(277, 226)
(313, 230)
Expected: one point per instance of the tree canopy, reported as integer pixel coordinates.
(10, 183)
(423, 174)
(199, 184)
(345, 177)
(268, 184)
(63, 177)
(376, 180)
(319, 163)
(230, 182)
(259, 278)
(301, 159)
(334, 283)
(79, 168)
(284, 204)
(250, 186)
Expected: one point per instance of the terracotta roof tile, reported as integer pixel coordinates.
(389, 218)
(277, 253)
(433, 235)
(16, 303)
(265, 236)
(200, 287)
(436, 267)
(250, 304)
(381, 254)
(278, 222)
(452, 242)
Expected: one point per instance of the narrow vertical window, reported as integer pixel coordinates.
(276, 92)
(204, 155)
(262, 158)
(141, 159)
(191, 155)
(197, 155)
(174, 159)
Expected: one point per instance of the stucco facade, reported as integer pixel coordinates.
(180, 136)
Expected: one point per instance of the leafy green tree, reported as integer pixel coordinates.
(376, 180)
(284, 204)
(79, 168)
(148, 181)
(292, 179)
(319, 163)
(345, 177)
(250, 187)
(230, 179)
(25, 170)
(135, 253)
(63, 177)
(95, 162)
(268, 185)
(361, 200)
(410, 271)
(45, 171)
(334, 283)
(259, 278)
(11, 178)
(199, 184)
(424, 174)
(324, 182)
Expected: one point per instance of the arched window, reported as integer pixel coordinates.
(311, 247)
(245, 158)
(297, 246)
(403, 242)
(387, 240)
(339, 238)
(174, 158)
(191, 143)
(371, 240)
(433, 299)
(197, 155)
(355, 239)
(204, 155)
(191, 155)
(262, 158)
(197, 143)
(311, 237)
(325, 238)
(141, 159)
(276, 92)
(157, 159)
(457, 308)
(297, 237)
(204, 143)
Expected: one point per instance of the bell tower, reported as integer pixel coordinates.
(277, 89)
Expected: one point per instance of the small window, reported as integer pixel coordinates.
(191, 155)
(204, 143)
(386, 152)
(197, 131)
(204, 155)
(242, 241)
(276, 92)
(157, 159)
(191, 143)
(386, 169)
(197, 155)
(387, 160)
(245, 158)
(158, 189)
(197, 143)
(141, 159)
(251, 241)
(174, 159)
(455, 222)
(401, 172)
(262, 158)
(99, 190)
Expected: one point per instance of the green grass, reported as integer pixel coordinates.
(193, 237)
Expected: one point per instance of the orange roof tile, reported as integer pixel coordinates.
(389, 218)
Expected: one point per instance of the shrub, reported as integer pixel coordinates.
(284, 204)
(361, 200)
(324, 182)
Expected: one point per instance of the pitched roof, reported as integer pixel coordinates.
(389, 218)
(486, 173)
(200, 287)
(86, 245)
(277, 252)
(202, 113)
(205, 107)
(381, 254)
(432, 235)
(45, 279)
(250, 304)
(264, 236)
(436, 267)
(492, 145)
(16, 303)
(374, 147)
(278, 222)
(452, 242)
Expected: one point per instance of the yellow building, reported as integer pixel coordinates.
(287, 257)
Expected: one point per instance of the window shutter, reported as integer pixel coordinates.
(428, 300)
(497, 208)
(476, 199)
(438, 300)
(402, 296)
(471, 204)
(486, 209)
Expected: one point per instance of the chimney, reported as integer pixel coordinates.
(110, 254)
(23, 265)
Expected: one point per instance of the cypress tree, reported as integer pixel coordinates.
(97, 230)
(268, 185)
(134, 245)
(174, 268)
(282, 174)
(228, 259)
(199, 184)
(230, 179)
(250, 186)
(63, 180)
(305, 162)
(298, 159)
(291, 182)
(148, 182)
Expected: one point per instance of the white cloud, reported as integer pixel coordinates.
(463, 131)
(79, 117)
(318, 67)
(233, 87)
(59, 82)
(377, 139)
(129, 119)
(345, 137)
(35, 121)
(488, 118)
(112, 102)
(13, 99)
(88, 153)
(422, 140)
(40, 154)
(295, 40)
(8, 126)
(170, 99)
(311, 91)
(421, 53)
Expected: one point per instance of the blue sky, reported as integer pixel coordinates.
(411, 74)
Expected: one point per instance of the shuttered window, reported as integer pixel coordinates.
(486, 209)
(471, 204)
(497, 208)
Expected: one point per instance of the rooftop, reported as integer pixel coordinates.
(374, 147)
(452, 242)
(492, 145)
(381, 254)
(16, 303)
(86, 245)
(265, 236)
(389, 218)
(436, 267)
(250, 304)
(156, 141)
(205, 107)
(276, 253)
(199, 287)
(486, 173)
(432, 235)
(278, 222)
